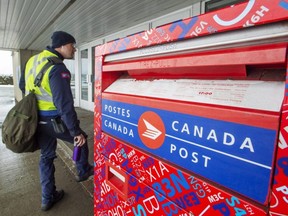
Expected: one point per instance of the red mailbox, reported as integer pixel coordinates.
(190, 117)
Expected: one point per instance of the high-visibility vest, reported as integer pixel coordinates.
(43, 93)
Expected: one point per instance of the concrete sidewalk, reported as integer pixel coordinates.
(20, 192)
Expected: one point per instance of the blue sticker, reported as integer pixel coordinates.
(237, 156)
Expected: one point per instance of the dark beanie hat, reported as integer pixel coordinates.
(60, 38)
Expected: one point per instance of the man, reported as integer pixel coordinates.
(56, 108)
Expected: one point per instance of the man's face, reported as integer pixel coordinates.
(68, 51)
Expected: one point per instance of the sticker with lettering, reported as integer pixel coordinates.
(237, 156)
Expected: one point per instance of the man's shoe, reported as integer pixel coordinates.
(84, 177)
(57, 196)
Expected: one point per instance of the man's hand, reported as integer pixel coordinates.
(79, 140)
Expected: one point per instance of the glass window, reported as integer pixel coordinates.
(70, 64)
(218, 4)
(84, 74)
(93, 72)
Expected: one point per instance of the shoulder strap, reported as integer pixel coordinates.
(51, 61)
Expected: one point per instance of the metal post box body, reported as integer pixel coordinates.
(211, 114)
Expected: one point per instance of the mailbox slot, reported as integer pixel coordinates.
(117, 179)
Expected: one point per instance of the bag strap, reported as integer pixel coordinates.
(51, 61)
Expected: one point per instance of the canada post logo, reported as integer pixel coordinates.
(151, 130)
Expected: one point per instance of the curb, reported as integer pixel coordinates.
(65, 153)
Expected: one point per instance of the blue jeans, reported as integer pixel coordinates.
(47, 139)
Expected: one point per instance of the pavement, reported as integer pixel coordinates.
(20, 192)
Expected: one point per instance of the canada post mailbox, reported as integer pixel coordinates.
(189, 131)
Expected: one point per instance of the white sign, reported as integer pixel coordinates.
(261, 95)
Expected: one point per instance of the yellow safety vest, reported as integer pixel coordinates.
(43, 93)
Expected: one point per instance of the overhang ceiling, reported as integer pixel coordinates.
(28, 24)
